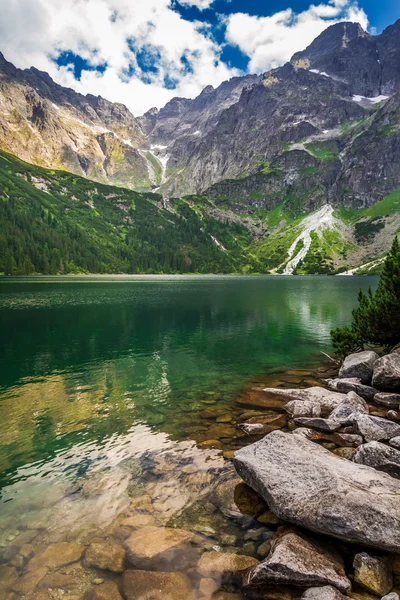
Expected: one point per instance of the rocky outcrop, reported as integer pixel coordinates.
(306, 484)
(298, 560)
(359, 365)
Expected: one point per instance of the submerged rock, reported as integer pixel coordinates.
(57, 555)
(308, 485)
(352, 384)
(360, 365)
(326, 400)
(375, 428)
(146, 585)
(218, 563)
(300, 561)
(323, 593)
(380, 457)
(374, 573)
(26, 584)
(105, 591)
(107, 555)
(387, 373)
(151, 543)
(391, 596)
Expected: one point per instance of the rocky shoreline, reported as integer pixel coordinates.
(352, 495)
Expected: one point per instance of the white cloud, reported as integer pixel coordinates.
(271, 41)
(33, 32)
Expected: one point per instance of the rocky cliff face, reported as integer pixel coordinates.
(52, 126)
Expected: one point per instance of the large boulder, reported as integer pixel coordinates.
(388, 399)
(296, 560)
(325, 400)
(345, 412)
(387, 373)
(375, 428)
(352, 384)
(374, 573)
(305, 484)
(359, 365)
(380, 457)
(326, 592)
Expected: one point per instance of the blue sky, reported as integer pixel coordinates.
(144, 52)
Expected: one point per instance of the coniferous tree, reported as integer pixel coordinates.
(376, 320)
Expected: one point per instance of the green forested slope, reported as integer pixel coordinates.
(53, 221)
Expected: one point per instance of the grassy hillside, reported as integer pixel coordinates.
(55, 222)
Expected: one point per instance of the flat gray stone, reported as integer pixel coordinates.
(326, 592)
(352, 384)
(375, 428)
(305, 484)
(380, 457)
(359, 365)
(386, 375)
(299, 560)
(345, 412)
(388, 399)
(391, 596)
(319, 396)
(318, 424)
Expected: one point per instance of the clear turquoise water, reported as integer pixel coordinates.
(88, 357)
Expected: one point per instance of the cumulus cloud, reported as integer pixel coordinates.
(148, 51)
(115, 33)
(271, 41)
